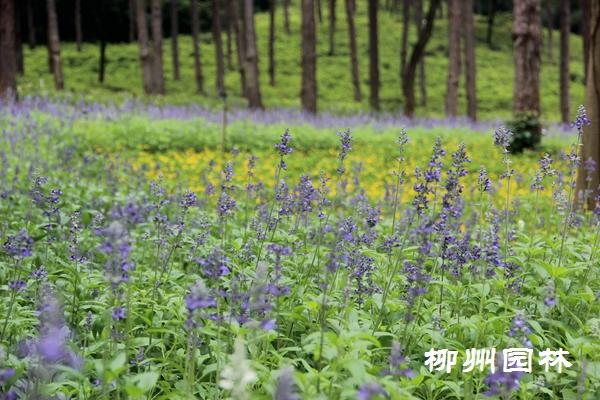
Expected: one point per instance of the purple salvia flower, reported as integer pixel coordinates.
(369, 391)
(581, 119)
(503, 138)
(286, 388)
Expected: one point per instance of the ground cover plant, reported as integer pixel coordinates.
(272, 265)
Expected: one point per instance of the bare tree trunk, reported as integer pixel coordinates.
(309, 58)
(18, 38)
(319, 11)
(565, 32)
(408, 77)
(470, 64)
(332, 19)
(131, 11)
(8, 61)
(374, 54)
(591, 139)
(455, 21)
(229, 38)
(195, 40)
(405, 26)
(491, 14)
(54, 42)
(102, 62)
(286, 16)
(418, 5)
(217, 39)
(526, 53)
(174, 44)
(78, 32)
(100, 20)
(350, 7)
(233, 9)
(251, 61)
(146, 52)
(272, 42)
(585, 33)
(158, 75)
(550, 29)
(30, 25)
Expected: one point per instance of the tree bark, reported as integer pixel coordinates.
(30, 25)
(565, 32)
(286, 16)
(272, 42)
(418, 6)
(455, 21)
(131, 11)
(374, 54)
(158, 75)
(405, 26)
(229, 38)
(54, 42)
(332, 18)
(199, 77)
(408, 77)
(217, 39)
(233, 9)
(251, 58)
(527, 35)
(490, 22)
(319, 11)
(174, 44)
(102, 62)
(18, 38)
(146, 52)
(550, 26)
(309, 58)
(350, 7)
(585, 33)
(591, 139)
(78, 31)
(8, 61)
(470, 64)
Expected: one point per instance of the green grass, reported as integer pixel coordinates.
(494, 70)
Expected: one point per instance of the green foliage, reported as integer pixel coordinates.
(527, 132)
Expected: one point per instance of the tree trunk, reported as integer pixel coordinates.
(418, 5)
(158, 75)
(131, 11)
(373, 54)
(229, 38)
(405, 26)
(251, 60)
(8, 61)
(527, 35)
(174, 44)
(54, 42)
(550, 26)
(455, 21)
(470, 64)
(408, 77)
(490, 22)
(30, 25)
(591, 139)
(78, 32)
(350, 7)
(309, 58)
(319, 11)
(585, 33)
(332, 19)
(217, 39)
(195, 41)
(233, 9)
(286, 16)
(272, 42)
(565, 32)
(146, 52)
(102, 62)
(18, 38)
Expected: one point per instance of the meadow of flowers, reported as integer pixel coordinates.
(285, 271)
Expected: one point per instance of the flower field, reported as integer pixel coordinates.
(152, 254)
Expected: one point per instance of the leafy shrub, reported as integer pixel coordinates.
(527, 132)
